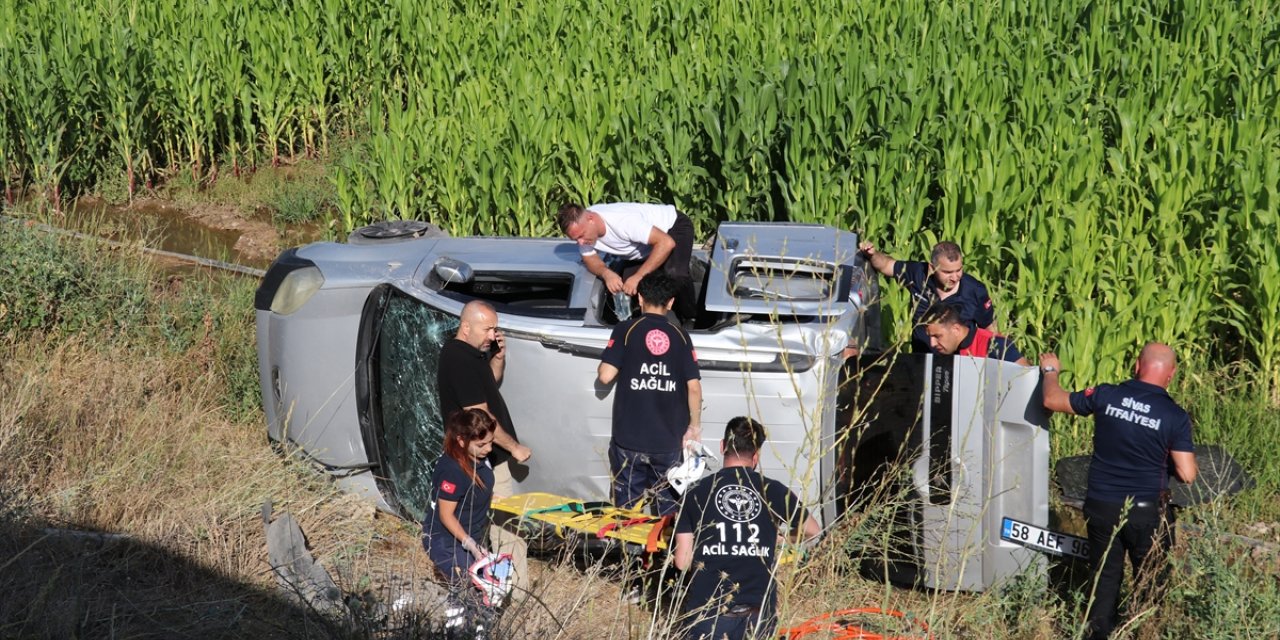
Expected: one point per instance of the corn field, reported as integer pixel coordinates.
(1111, 168)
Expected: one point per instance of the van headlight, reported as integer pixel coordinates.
(296, 289)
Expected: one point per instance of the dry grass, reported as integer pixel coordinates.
(104, 440)
(139, 443)
(133, 448)
(107, 439)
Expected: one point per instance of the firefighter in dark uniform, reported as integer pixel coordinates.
(1140, 435)
(950, 336)
(942, 279)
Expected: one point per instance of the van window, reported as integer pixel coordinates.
(517, 288)
(526, 293)
(782, 279)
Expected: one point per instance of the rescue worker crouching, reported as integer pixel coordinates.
(950, 335)
(727, 536)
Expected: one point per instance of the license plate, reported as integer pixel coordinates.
(1040, 539)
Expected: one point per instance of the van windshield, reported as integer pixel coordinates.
(412, 434)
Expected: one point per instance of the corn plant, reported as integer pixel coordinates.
(119, 81)
(272, 48)
(1108, 167)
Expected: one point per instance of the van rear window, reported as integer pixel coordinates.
(782, 279)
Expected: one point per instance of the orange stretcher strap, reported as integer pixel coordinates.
(655, 534)
(630, 522)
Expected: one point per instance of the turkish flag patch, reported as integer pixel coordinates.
(448, 487)
(1088, 392)
(987, 304)
(610, 345)
(695, 355)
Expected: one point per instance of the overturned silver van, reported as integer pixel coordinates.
(349, 335)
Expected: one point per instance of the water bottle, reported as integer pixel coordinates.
(622, 306)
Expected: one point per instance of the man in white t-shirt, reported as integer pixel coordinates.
(647, 237)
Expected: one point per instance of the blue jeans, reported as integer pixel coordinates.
(635, 472)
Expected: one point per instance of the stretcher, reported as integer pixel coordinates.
(552, 520)
(595, 520)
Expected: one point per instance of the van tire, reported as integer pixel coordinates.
(395, 231)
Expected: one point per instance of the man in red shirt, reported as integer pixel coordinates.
(949, 335)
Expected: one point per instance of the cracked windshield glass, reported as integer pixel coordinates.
(412, 434)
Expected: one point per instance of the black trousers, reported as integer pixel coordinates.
(677, 266)
(1145, 534)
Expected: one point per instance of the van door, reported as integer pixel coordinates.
(781, 269)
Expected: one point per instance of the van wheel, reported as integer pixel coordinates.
(395, 231)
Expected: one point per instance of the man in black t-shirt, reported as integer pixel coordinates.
(727, 533)
(1140, 436)
(471, 368)
(657, 402)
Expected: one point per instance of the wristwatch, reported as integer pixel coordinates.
(1049, 370)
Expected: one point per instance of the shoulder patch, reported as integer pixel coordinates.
(448, 487)
(1088, 392)
(987, 304)
(610, 345)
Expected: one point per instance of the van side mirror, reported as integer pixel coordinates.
(453, 271)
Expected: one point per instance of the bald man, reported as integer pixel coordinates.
(470, 370)
(1140, 436)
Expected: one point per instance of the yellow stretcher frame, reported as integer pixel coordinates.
(602, 521)
(598, 519)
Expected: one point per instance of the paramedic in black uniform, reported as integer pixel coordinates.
(1140, 435)
(942, 279)
(727, 533)
(657, 402)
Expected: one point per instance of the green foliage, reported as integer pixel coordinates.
(52, 284)
(1020, 608)
(1222, 588)
(1230, 408)
(58, 286)
(212, 320)
(301, 201)
(1110, 167)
